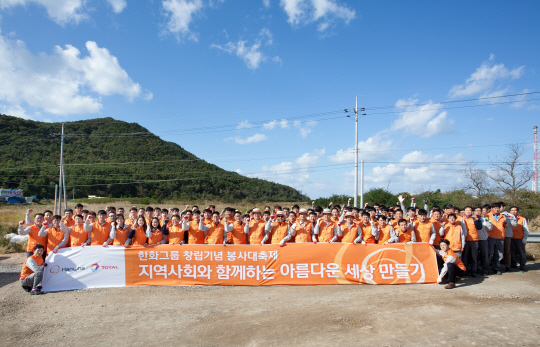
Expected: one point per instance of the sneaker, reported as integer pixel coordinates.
(473, 275)
(27, 288)
(36, 291)
(499, 273)
(521, 271)
(449, 286)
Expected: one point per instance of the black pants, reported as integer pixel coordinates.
(453, 272)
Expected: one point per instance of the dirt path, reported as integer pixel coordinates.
(497, 310)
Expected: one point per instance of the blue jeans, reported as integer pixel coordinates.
(495, 252)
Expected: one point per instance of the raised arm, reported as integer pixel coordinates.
(291, 231)
(433, 235)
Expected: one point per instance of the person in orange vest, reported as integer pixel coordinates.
(47, 217)
(215, 233)
(191, 227)
(349, 228)
(453, 266)
(405, 234)
(118, 236)
(254, 228)
(32, 271)
(508, 231)
(33, 234)
(436, 220)
(132, 216)
(367, 231)
(57, 237)
(480, 214)
(496, 236)
(100, 229)
(312, 219)
(303, 227)
(325, 229)
(157, 235)
(387, 233)
(423, 228)
(276, 230)
(139, 233)
(176, 233)
(454, 233)
(470, 251)
(519, 239)
(291, 232)
(68, 217)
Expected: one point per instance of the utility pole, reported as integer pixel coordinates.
(536, 162)
(356, 154)
(362, 186)
(55, 197)
(61, 184)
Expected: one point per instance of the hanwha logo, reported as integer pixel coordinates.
(55, 269)
(94, 267)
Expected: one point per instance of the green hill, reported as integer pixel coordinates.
(30, 152)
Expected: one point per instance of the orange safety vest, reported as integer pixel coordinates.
(422, 231)
(366, 233)
(176, 234)
(34, 239)
(279, 231)
(26, 271)
(78, 236)
(326, 233)
(303, 233)
(155, 238)
(238, 237)
(458, 261)
(472, 233)
(405, 236)
(100, 233)
(452, 232)
(384, 234)
(256, 231)
(140, 237)
(437, 226)
(497, 232)
(349, 234)
(54, 237)
(195, 236)
(518, 233)
(121, 236)
(214, 235)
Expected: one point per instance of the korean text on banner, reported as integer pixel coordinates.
(294, 264)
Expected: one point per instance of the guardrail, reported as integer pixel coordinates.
(533, 238)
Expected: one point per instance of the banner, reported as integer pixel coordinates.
(250, 265)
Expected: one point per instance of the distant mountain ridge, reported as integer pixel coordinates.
(32, 148)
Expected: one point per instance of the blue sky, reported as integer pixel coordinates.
(275, 76)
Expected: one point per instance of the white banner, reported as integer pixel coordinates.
(85, 267)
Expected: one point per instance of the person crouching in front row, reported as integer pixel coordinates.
(453, 266)
(32, 271)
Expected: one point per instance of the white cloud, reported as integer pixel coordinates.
(244, 125)
(266, 34)
(493, 97)
(63, 11)
(371, 149)
(117, 5)
(305, 127)
(423, 120)
(15, 111)
(266, 3)
(294, 173)
(284, 124)
(180, 14)
(251, 55)
(270, 125)
(484, 78)
(301, 12)
(60, 11)
(519, 99)
(62, 83)
(252, 139)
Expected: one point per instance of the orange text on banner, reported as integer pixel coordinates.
(294, 264)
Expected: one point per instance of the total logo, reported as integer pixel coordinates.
(94, 267)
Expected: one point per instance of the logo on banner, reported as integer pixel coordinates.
(94, 267)
(55, 270)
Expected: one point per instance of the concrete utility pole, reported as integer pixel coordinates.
(61, 181)
(536, 162)
(356, 155)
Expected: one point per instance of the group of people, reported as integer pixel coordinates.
(467, 241)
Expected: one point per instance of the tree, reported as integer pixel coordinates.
(380, 196)
(477, 180)
(508, 173)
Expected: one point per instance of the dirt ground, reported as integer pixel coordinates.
(496, 310)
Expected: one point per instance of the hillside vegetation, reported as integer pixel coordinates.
(30, 152)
